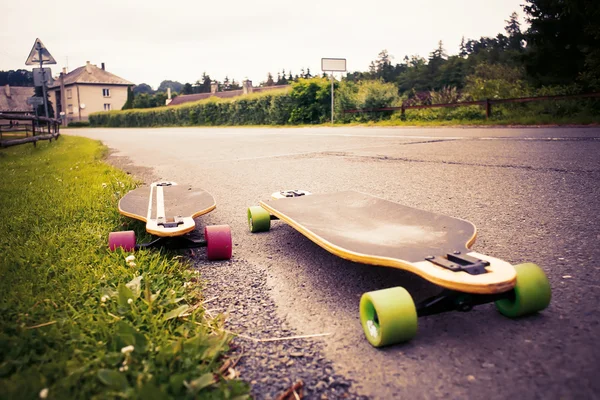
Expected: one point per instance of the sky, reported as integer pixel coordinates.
(151, 41)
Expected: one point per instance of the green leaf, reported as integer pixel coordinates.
(113, 379)
(176, 312)
(114, 358)
(200, 383)
(135, 285)
(176, 383)
(128, 335)
(108, 292)
(124, 295)
(151, 392)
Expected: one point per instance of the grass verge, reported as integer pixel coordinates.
(79, 321)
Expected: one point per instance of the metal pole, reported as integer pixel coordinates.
(43, 79)
(331, 97)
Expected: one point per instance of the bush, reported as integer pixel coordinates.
(78, 124)
(269, 108)
(363, 95)
(311, 100)
(495, 81)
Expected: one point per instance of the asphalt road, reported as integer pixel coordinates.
(533, 193)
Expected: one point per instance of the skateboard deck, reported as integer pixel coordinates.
(370, 230)
(167, 208)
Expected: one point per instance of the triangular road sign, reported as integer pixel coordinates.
(34, 54)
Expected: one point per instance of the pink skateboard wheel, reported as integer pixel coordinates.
(218, 242)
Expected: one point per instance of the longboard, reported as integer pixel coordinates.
(363, 228)
(169, 210)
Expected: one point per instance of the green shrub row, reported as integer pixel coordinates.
(307, 102)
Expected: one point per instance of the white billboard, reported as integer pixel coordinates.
(333, 64)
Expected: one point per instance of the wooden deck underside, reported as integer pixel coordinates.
(363, 228)
(179, 200)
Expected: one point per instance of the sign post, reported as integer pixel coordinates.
(39, 53)
(333, 65)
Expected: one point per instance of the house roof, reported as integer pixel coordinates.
(17, 101)
(186, 98)
(91, 74)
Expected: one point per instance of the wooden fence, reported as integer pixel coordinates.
(18, 129)
(487, 103)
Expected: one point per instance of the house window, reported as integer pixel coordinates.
(70, 108)
(106, 92)
(106, 107)
(69, 93)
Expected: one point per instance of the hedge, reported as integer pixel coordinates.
(307, 102)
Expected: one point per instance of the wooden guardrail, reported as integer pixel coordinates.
(487, 103)
(18, 129)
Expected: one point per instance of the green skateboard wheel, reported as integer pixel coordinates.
(531, 293)
(259, 220)
(388, 316)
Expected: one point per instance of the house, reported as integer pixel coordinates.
(13, 99)
(214, 87)
(86, 90)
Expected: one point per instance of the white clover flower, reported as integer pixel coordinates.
(132, 264)
(130, 258)
(104, 298)
(129, 301)
(127, 349)
(43, 393)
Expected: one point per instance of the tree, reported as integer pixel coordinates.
(130, 97)
(41, 111)
(142, 100)
(203, 85)
(439, 53)
(382, 67)
(513, 29)
(563, 41)
(143, 88)
(187, 89)
(269, 81)
(174, 85)
(19, 77)
(415, 77)
(281, 79)
(436, 60)
(463, 48)
(146, 100)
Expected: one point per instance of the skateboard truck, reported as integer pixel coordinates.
(451, 300)
(174, 242)
(457, 262)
